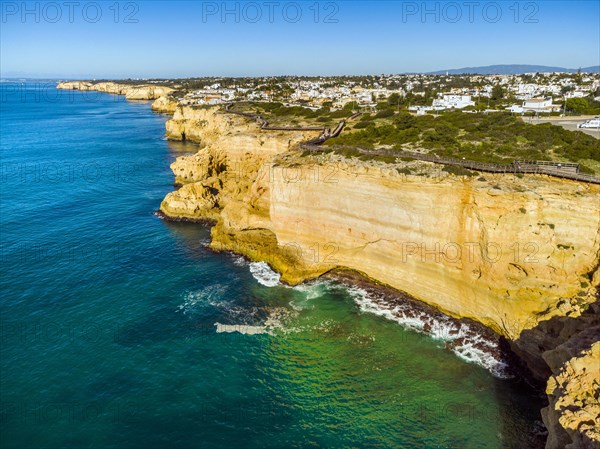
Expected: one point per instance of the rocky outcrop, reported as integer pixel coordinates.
(131, 91)
(166, 104)
(213, 178)
(560, 355)
(573, 415)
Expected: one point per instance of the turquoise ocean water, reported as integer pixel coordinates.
(121, 330)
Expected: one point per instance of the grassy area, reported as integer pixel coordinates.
(495, 137)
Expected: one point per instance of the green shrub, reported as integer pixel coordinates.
(458, 170)
(384, 113)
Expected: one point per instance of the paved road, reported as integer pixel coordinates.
(567, 123)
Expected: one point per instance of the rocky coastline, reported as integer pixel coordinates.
(413, 230)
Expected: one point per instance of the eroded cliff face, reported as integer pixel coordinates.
(518, 254)
(215, 178)
(131, 92)
(506, 251)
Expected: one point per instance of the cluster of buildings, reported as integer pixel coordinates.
(539, 92)
(209, 95)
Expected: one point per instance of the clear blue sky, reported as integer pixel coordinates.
(180, 39)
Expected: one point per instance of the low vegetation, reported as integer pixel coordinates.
(494, 137)
(277, 113)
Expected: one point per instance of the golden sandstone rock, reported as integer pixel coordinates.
(510, 252)
(574, 391)
(506, 251)
(166, 104)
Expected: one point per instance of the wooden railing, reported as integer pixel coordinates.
(549, 169)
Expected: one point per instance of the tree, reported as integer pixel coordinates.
(394, 100)
(350, 106)
(497, 92)
(384, 113)
(566, 89)
(577, 105)
(404, 120)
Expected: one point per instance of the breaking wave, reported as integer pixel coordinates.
(461, 338)
(263, 273)
(464, 339)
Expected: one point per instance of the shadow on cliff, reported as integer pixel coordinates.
(548, 338)
(518, 416)
(540, 353)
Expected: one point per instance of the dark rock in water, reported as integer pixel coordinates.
(481, 346)
(460, 341)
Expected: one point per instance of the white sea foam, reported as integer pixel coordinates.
(263, 273)
(468, 352)
(314, 289)
(309, 291)
(211, 295)
(460, 338)
(240, 261)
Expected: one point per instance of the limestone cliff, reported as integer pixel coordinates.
(506, 251)
(167, 104)
(214, 177)
(519, 254)
(131, 91)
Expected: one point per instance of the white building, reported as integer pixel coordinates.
(539, 105)
(516, 109)
(420, 110)
(526, 91)
(449, 101)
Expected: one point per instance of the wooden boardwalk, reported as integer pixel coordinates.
(514, 168)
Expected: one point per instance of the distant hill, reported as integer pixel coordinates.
(512, 69)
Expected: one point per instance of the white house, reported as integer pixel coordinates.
(516, 109)
(453, 101)
(539, 105)
(420, 110)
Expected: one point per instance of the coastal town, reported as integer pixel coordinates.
(550, 94)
